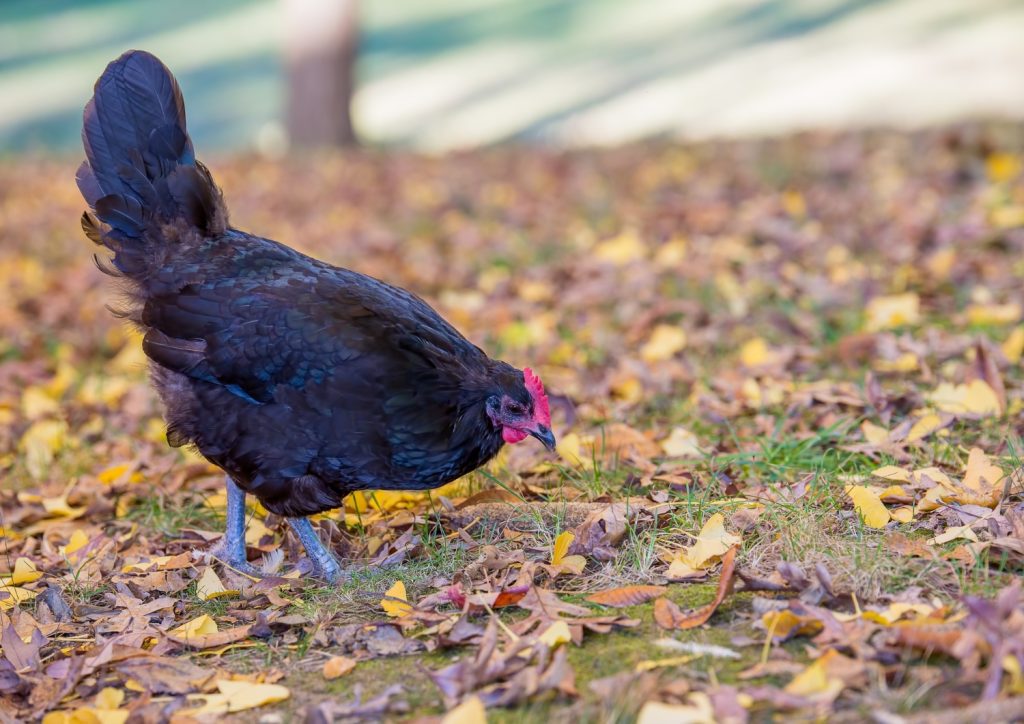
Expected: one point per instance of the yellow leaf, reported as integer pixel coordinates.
(628, 388)
(680, 570)
(114, 473)
(899, 610)
(574, 564)
(130, 359)
(1013, 347)
(532, 291)
(25, 571)
(982, 475)
(621, 250)
(712, 543)
(40, 444)
(873, 433)
(940, 264)
(993, 314)
(754, 352)
(236, 696)
(337, 666)
(868, 505)
(257, 531)
(555, 634)
(816, 681)
(954, 533)
(36, 403)
(78, 541)
(794, 204)
(924, 427)
(698, 711)
(399, 608)
(933, 474)
(209, 586)
(976, 398)
(1002, 166)
(933, 499)
(893, 311)
(681, 443)
(559, 559)
(665, 342)
(200, 626)
(109, 698)
(158, 563)
(105, 710)
(785, 623)
(471, 711)
(570, 448)
(906, 362)
(1015, 677)
(59, 507)
(671, 254)
(11, 596)
(561, 546)
(891, 472)
(902, 514)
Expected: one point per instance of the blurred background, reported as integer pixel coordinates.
(444, 74)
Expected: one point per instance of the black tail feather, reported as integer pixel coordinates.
(140, 170)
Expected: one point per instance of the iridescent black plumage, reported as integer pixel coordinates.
(301, 380)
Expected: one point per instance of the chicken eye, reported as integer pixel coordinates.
(516, 409)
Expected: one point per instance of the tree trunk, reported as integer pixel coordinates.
(320, 54)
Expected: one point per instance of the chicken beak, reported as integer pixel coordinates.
(544, 434)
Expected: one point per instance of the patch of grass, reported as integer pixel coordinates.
(155, 514)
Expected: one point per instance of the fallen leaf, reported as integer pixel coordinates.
(681, 443)
(817, 681)
(200, 626)
(626, 596)
(555, 634)
(712, 542)
(698, 711)
(975, 399)
(897, 310)
(337, 666)
(470, 711)
(209, 586)
(666, 342)
(559, 559)
(701, 615)
(395, 603)
(236, 696)
(785, 624)
(867, 503)
(925, 426)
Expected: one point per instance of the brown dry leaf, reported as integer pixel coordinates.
(671, 614)
(626, 596)
(202, 633)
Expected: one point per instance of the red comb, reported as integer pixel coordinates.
(541, 409)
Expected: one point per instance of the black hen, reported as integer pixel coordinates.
(303, 381)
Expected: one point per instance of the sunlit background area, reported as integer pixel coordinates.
(441, 74)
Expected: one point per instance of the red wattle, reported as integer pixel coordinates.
(512, 436)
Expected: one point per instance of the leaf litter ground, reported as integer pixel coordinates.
(785, 378)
